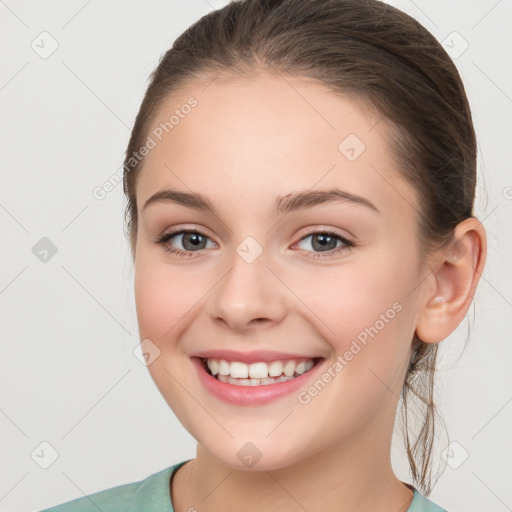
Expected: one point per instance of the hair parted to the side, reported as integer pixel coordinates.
(374, 53)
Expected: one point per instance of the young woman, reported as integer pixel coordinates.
(300, 182)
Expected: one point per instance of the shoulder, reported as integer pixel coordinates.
(149, 494)
(421, 504)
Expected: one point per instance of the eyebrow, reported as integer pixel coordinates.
(284, 204)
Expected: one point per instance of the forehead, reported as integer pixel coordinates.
(267, 135)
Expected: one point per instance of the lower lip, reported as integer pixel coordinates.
(251, 395)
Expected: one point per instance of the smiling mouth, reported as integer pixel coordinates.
(259, 373)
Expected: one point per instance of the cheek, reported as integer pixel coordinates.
(349, 299)
(163, 297)
(369, 326)
(380, 338)
(164, 301)
(365, 311)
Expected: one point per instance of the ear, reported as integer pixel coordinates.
(457, 273)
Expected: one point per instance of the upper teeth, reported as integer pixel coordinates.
(261, 370)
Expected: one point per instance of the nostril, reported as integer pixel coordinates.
(259, 320)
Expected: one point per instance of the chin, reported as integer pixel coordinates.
(255, 456)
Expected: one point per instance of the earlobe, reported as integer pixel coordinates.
(458, 272)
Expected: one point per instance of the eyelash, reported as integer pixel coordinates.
(162, 241)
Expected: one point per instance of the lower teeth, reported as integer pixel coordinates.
(252, 382)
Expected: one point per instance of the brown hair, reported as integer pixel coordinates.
(379, 55)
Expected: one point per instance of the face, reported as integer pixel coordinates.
(336, 279)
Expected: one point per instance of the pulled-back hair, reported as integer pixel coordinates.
(378, 55)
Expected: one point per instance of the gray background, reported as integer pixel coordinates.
(69, 376)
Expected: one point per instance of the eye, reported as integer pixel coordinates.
(326, 242)
(323, 243)
(192, 241)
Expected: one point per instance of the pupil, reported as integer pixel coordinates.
(323, 240)
(193, 238)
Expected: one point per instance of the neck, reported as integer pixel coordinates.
(353, 475)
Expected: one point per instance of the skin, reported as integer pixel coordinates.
(249, 140)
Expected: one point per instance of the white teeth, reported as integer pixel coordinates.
(275, 368)
(224, 367)
(258, 370)
(301, 368)
(239, 370)
(256, 374)
(214, 366)
(289, 368)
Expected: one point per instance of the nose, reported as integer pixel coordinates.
(249, 297)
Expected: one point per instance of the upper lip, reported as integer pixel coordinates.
(255, 356)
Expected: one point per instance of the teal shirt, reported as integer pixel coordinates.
(152, 495)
